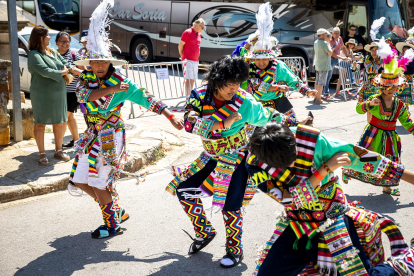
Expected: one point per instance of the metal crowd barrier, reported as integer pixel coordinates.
(166, 80)
(345, 72)
(163, 80)
(298, 66)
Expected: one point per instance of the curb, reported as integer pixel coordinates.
(137, 159)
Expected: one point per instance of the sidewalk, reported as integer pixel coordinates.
(21, 176)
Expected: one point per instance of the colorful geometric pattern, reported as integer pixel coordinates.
(109, 214)
(233, 221)
(194, 209)
(343, 252)
(260, 80)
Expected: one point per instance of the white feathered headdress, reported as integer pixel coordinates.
(98, 43)
(264, 42)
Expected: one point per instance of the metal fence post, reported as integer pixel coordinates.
(15, 73)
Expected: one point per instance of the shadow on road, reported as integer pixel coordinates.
(383, 203)
(73, 253)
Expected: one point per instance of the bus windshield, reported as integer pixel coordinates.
(394, 26)
(60, 14)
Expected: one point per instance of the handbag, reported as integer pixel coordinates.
(68, 78)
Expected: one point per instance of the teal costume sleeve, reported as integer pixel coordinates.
(362, 160)
(286, 75)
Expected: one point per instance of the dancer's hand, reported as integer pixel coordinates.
(283, 88)
(375, 102)
(303, 122)
(311, 93)
(121, 87)
(177, 123)
(338, 160)
(231, 119)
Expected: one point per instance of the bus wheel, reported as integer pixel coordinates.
(141, 51)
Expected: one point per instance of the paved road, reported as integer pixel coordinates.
(50, 235)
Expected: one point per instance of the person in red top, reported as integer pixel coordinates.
(189, 49)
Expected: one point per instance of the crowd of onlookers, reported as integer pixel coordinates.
(53, 80)
(329, 49)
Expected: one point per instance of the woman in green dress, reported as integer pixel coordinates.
(380, 134)
(47, 91)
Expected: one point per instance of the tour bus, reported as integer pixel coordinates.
(151, 29)
(60, 15)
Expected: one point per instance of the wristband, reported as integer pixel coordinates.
(221, 124)
(318, 175)
(171, 116)
(328, 170)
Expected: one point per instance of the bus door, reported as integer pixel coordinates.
(357, 16)
(179, 23)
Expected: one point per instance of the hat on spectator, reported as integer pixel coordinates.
(352, 41)
(409, 42)
(98, 43)
(84, 36)
(262, 41)
(321, 31)
(369, 46)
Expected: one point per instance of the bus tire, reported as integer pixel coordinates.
(141, 51)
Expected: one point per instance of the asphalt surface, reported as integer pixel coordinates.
(50, 235)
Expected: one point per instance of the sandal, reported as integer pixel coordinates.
(61, 156)
(43, 161)
(234, 258)
(104, 231)
(122, 215)
(393, 192)
(201, 244)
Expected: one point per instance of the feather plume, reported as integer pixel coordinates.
(264, 21)
(98, 38)
(252, 37)
(376, 25)
(409, 54)
(384, 49)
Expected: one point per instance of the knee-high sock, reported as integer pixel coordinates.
(109, 214)
(195, 211)
(233, 220)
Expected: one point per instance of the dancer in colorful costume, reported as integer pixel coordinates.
(270, 79)
(295, 167)
(407, 94)
(380, 135)
(101, 92)
(218, 112)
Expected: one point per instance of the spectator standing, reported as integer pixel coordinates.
(63, 40)
(323, 53)
(352, 34)
(47, 91)
(189, 49)
(336, 44)
(83, 39)
(347, 52)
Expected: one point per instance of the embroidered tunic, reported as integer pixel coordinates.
(407, 94)
(276, 73)
(104, 119)
(372, 68)
(228, 145)
(380, 135)
(309, 209)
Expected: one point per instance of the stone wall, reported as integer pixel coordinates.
(4, 100)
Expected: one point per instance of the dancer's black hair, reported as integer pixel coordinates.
(226, 70)
(274, 144)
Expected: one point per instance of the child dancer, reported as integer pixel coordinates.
(380, 135)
